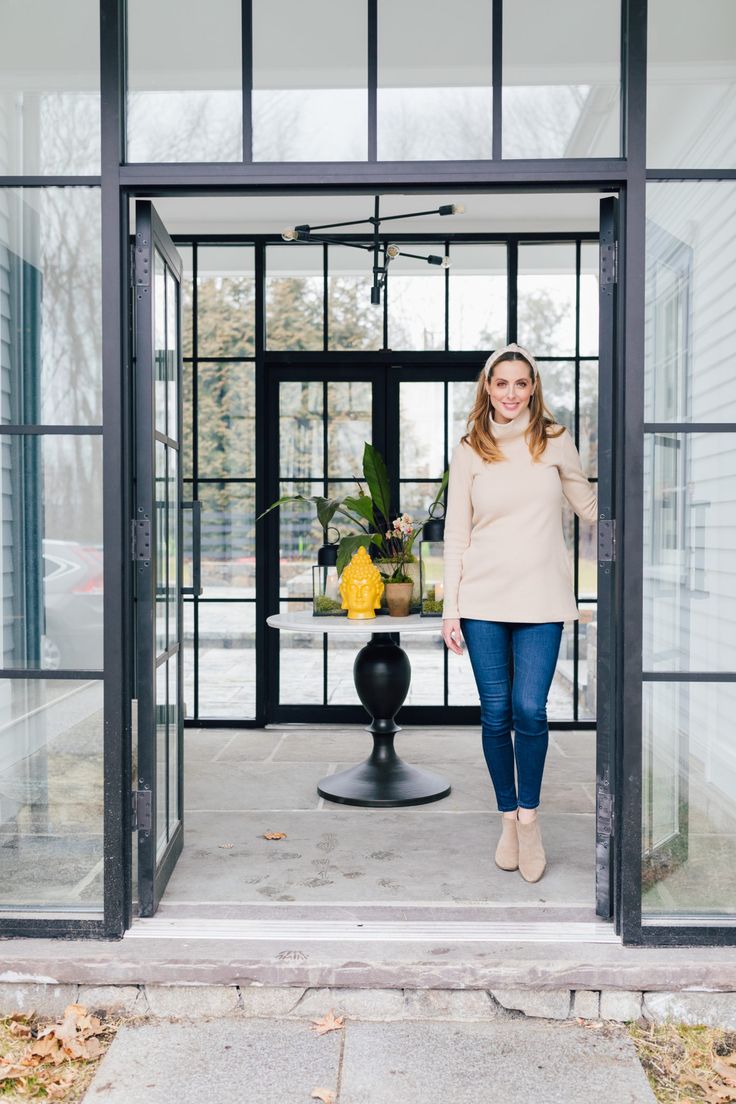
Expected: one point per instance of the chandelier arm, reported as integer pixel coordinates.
(320, 240)
(410, 214)
(333, 225)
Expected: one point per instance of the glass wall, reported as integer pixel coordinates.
(219, 470)
(689, 587)
(49, 87)
(51, 564)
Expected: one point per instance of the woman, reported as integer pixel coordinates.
(507, 580)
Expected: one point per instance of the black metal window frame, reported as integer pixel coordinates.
(387, 369)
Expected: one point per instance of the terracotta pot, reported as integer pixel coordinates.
(398, 598)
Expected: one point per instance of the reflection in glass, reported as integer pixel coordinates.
(51, 794)
(689, 578)
(50, 278)
(172, 356)
(185, 97)
(52, 552)
(546, 299)
(460, 398)
(226, 295)
(300, 535)
(227, 668)
(310, 76)
(588, 413)
(416, 300)
(228, 540)
(478, 303)
(691, 84)
(353, 321)
(688, 800)
(172, 547)
(421, 413)
(301, 412)
(434, 81)
(561, 78)
(161, 487)
(587, 655)
(173, 718)
(226, 419)
(187, 298)
(558, 382)
(294, 297)
(349, 426)
(690, 288)
(160, 337)
(589, 298)
(50, 96)
(187, 644)
(301, 662)
(161, 762)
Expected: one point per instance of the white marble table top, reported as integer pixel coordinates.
(307, 622)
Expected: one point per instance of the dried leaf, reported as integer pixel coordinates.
(12, 1073)
(330, 1022)
(20, 1030)
(274, 835)
(726, 1070)
(327, 1096)
(227, 846)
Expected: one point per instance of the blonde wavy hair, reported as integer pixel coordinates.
(542, 424)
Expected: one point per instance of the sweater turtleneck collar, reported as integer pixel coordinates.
(507, 431)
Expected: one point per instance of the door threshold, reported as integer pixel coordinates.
(373, 931)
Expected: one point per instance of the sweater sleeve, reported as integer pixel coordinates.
(458, 523)
(582, 495)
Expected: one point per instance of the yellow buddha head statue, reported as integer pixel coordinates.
(361, 586)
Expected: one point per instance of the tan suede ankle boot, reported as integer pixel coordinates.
(507, 852)
(532, 859)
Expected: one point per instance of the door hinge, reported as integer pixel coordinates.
(606, 540)
(604, 812)
(140, 539)
(609, 264)
(142, 262)
(140, 811)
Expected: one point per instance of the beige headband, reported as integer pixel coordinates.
(518, 350)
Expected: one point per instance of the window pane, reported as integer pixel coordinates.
(589, 417)
(691, 90)
(478, 291)
(162, 553)
(310, 76)
(589, 298)
(228, 540)
(354, 322)
(460, 399)
(294, 297)
(689, 558)
(587, 652)
(173, 717)
(421, 413)
(416, 300)
(301, 428)
(301, 663)
(561, 78)
(226, 419)
(227, 675)
(558, 382)
(185, 98)
(50, 312)
(161, 765)
(349, 426)
(187, 340)
(188, 647)
(300, 535)
(51, 524)
(434, 81)
(688, 820)
(51, 794)
(50, 96)
(690, 289)
(546, 299)
(225, 301)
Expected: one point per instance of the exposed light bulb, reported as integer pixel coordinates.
(458, 208)
(290, 234)
(392, 251)
(445, 262)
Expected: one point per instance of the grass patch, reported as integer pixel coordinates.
(34, 1064)
(687, 1065)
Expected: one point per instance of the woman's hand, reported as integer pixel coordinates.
(451, 634)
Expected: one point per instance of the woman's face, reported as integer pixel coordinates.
(510, 388)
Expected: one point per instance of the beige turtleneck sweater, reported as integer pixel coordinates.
(505, 557)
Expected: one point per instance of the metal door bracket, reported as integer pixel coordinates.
(609, 264)
(140, 539)
(604, 812)
(142, 267)
(141, 809)
(606, 540)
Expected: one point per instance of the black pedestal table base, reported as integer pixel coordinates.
(382, 674)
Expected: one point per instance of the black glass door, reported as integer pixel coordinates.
(157, 549)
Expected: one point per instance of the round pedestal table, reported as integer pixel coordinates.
(382, 674)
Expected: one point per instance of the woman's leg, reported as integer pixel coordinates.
(535, 649)
(488, 647)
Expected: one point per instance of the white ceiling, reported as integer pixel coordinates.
(504, 213)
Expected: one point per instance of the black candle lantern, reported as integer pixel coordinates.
(326, 598)
(431, 553)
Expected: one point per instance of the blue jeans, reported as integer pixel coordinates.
(521, 702)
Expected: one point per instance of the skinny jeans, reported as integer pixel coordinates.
(518, 702)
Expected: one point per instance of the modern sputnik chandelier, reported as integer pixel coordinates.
(383, 252)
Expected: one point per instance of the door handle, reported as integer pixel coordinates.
(196, 507)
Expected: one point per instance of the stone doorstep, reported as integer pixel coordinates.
(712, 1009)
